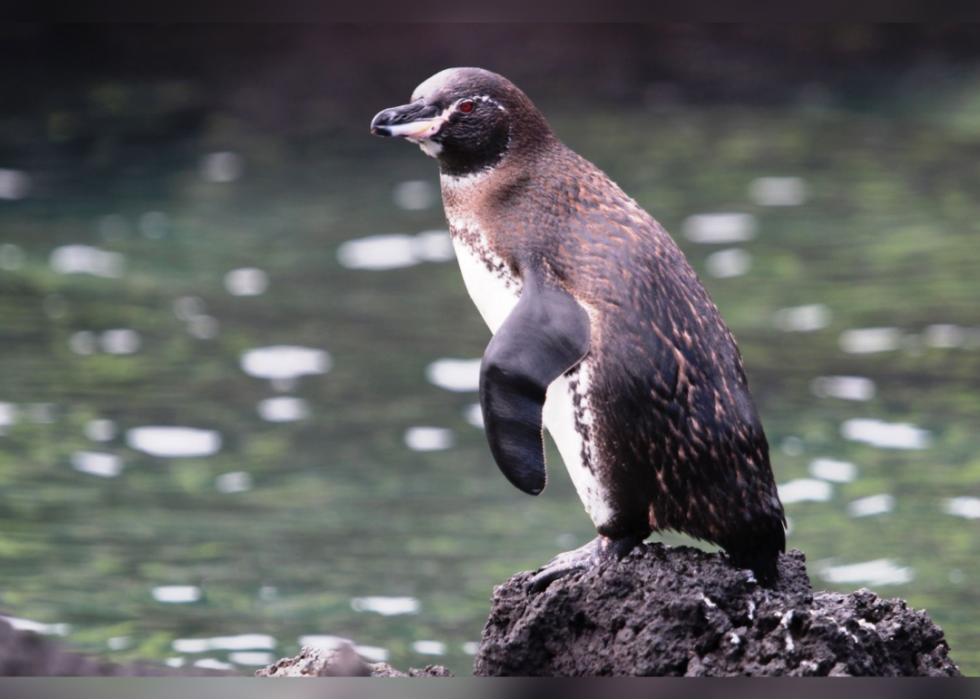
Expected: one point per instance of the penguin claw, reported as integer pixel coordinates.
(564, 564)
(596, 552)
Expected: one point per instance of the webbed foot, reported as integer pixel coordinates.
(597, 552)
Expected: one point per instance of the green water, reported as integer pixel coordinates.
(335, 506)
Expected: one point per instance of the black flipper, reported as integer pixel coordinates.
(546, 335)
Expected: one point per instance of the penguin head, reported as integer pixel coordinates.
(467, 118)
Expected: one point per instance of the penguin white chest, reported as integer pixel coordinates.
(567, 413)
(493, 287)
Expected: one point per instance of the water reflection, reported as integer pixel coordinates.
(396, 250)
(886, 435)
(247, 641)
(37, 627)
(855, 388)
(100, 430)
(873, 573)
(121, 341)
(285, 362)
(253, 658)
(461, 375)
(373, 654)
(97, 463)
(283, 409)
(802, 319)
(963, 506)
(177, 594)
(474, 415)
(778, 191)
(234, 482)
(720, 228)
(14, 185)
(870, 340)
(833, 470)
(171, 442)
(385, 606)
(728, 263)
(247, 281)
(429, 647)
(429, 438)
(871, 506)
(85, 259)
(805, 490)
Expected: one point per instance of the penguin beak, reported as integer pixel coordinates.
(416, 120)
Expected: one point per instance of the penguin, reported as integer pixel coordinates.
(602, 333)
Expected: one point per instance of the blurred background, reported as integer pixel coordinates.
(238, 408)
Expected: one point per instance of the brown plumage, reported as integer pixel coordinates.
(667, 433)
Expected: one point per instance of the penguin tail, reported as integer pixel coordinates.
(760, 553)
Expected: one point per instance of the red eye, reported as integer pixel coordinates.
(466, 107)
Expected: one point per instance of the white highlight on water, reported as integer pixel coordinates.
(833, 470)
(460, 375)
(429, 438)
(944, 336)
(285, 362)
(386, 606)
(14, 185)
(395, 250)
(886, 435)
(871, 505)
(283, 409)
(725, 264)
(778, 191)
(963, 506)
(870, 340)
(805, 490)
(170, 442)
(96, 463)
(37, 626)
(720, 228)
(252, 658)
(177, 594)
(473, 414)
(802, 319)
(247, 641)
(856, 388)
(429, 647)
(373, 654)
(246, 281)
(120, 341)
(85, 259)
(882, 571)
(233, 482)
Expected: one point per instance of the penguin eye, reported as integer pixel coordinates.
(466, 107)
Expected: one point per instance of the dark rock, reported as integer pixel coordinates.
(343, 662)
(681, 611)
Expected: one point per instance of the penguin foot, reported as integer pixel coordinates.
(597, 552)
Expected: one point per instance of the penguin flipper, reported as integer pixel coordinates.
(545, 335)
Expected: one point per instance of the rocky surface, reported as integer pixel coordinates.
(343, 662)
(681, 611)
